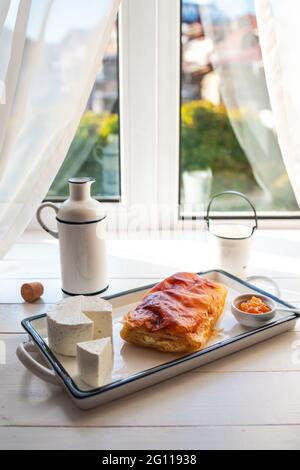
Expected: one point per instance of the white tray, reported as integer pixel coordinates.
(134, 367)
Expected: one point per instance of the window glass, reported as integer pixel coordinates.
(95, 148)
(228, 139)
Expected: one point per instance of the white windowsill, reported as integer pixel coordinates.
(137, 261)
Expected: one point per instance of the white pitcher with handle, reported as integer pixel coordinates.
(81, 223)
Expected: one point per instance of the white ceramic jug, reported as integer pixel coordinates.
(81, 231)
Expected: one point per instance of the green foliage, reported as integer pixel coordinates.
(110, 126)
(98, 127)
(86, 152)
(208, 140)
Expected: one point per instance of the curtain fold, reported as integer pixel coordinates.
(4, 49)
(278, 25)
(18, 38)
(56, 49)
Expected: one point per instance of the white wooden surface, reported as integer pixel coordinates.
(247, 400)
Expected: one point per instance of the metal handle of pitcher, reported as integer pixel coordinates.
(232, 193)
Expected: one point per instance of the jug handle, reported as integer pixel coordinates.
(40, 220)
(233, 193)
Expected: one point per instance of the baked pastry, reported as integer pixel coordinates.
(177, 315)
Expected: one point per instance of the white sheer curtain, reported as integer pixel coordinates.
(231, 25)
(279, 25)
(50, 54)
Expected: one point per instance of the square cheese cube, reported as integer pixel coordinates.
(100, 312)
(95, 361)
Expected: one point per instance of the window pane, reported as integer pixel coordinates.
(95, 148)
(228, 140)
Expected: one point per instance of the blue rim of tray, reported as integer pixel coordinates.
(80, 394)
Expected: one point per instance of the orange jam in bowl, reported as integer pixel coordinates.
(255, 306)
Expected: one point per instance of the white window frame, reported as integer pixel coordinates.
(150, 100)
(149, 67)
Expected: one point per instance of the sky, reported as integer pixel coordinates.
(67, 15)
(232, 8)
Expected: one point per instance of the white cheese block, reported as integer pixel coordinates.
(95, 361)
(100, 312)
(78, 319)
(67, 326)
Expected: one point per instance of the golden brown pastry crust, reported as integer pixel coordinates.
(177, 315)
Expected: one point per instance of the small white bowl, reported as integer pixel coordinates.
(249, 319)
